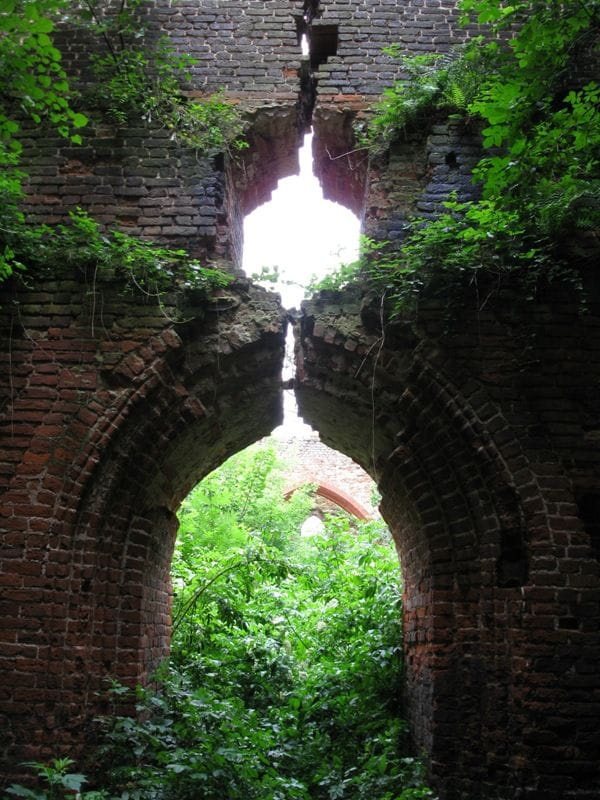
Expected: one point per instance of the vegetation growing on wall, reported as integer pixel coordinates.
(135, 75)
(540, 174)
(139, 74)
(81, 243)
(284, 681)
(33, 83)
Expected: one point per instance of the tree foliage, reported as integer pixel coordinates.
(32, 79)
(33, 84)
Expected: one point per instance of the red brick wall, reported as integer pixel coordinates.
(136, 178)
(308, 460)
(485, 435)
(110, 414)
(485, 443)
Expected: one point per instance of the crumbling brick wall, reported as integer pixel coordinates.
(137, 178)
(110, 413)
(485, 437)
(485, 440)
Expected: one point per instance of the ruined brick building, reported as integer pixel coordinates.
(482, 436)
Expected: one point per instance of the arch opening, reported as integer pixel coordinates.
(263, 633)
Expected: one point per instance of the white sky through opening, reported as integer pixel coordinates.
(304, 236)
(299, 232)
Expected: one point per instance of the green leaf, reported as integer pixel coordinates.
(41, 25)
(73, 781)
(22, 791)
(79, 120)
(177, 768)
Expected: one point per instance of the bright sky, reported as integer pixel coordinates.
(300, 232)
(304, 235)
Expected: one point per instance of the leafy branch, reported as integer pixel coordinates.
(81, 242)
(141, 75)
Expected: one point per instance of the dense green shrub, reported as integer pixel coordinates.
(285, 676)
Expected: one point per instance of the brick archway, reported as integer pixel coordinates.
(113, 420)
(111, 425)
(336, 496)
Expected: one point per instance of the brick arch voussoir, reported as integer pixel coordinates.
(335, 495)
(467, 489)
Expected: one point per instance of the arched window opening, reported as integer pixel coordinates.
(332, 496)
(298, 237)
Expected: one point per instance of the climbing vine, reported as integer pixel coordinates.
(135, 74)
(32, 79)
(143, 265)
(33, 84)
(526, 85)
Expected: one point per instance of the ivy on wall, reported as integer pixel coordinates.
(525, 84)
(135, 75)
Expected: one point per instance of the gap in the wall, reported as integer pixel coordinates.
(299, 233)
(302, 237)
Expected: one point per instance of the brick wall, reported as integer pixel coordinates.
(308, 460)
(135, 177)
(485, 437)
(110, 413)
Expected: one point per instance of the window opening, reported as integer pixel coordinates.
(299, 235)
(512, 561)
(323, 43)
(296, 238)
